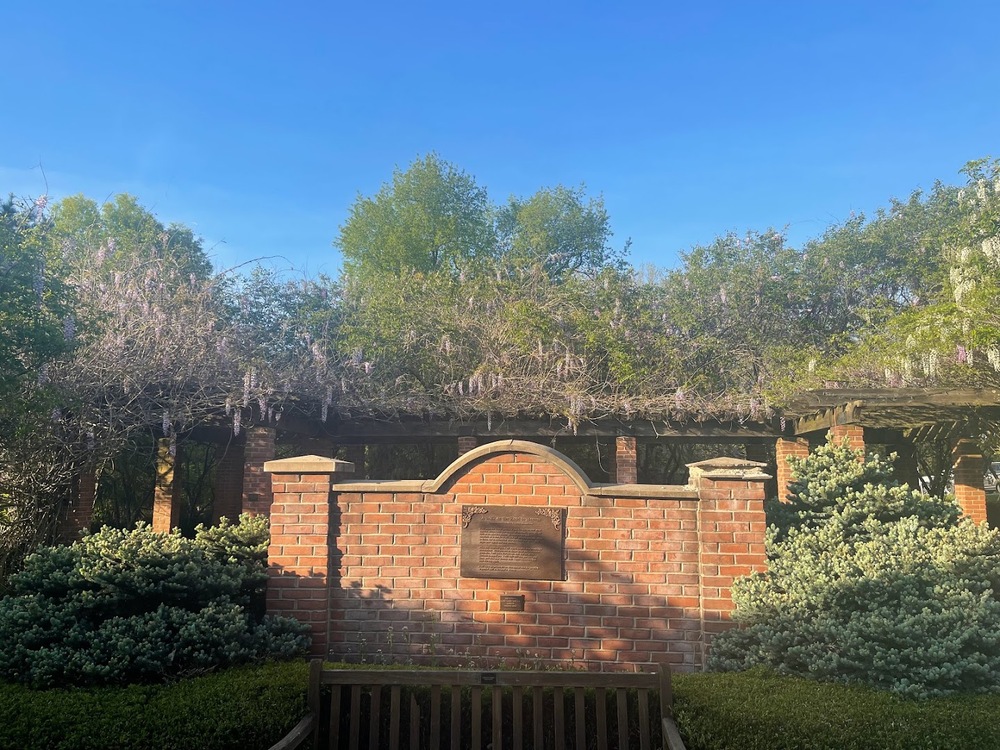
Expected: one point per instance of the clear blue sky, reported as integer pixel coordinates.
(258, 124)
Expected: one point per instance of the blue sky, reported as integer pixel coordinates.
(258, 124)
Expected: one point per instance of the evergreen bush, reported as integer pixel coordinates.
(133, 605)
(870, 582)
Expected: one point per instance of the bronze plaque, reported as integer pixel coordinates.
(513, 542)
(512, 603)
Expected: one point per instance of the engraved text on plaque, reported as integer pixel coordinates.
(512, 542)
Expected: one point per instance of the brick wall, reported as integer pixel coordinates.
(647, 569)
(626, 466)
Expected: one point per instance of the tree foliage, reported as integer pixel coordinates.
(451, 305)
(432, 217)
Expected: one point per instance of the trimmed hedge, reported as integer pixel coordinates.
(758, 710)
(244, 708)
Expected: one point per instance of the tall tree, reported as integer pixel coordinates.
(34, 299)
(431, 217)
(558, 229)
(120, 232)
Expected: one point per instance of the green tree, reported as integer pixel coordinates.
(558, 229)
(34, 299)
(120, 232)
(432, 217)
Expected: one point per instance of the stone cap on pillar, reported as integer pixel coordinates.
(308, 465)
(727, 468)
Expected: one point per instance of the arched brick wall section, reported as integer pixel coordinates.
(647, 568)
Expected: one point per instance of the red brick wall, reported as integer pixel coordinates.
(647, 574)
(731, 529)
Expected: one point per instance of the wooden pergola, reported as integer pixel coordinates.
(894, 417)
(900, 418)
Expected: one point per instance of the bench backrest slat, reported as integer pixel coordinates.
(435, 718)
(374, 713)
(602, 719)
(644, 738)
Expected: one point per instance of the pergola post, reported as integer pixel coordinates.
(229, 483)
(626, 460)
(256, 482)
(168, 491)
(969, 467)
(784, 449)
(851, 434)
(466, 443)
(80, 510)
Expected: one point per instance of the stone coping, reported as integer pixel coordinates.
(598, 490)
(308, 465)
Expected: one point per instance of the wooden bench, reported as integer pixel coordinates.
(376, 708)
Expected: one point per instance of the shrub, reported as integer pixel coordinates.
(243, 708)
(133, 605)
(876, 584)
(758, 710)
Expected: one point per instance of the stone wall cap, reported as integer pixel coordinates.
(726, 462)
(726, 467)
(678, 491)
(308, 465)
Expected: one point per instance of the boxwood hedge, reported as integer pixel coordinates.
(759, 710)
(243, 708)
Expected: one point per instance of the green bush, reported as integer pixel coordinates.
(134, 605)
(244, 708)
(875, 584)
(758, 710)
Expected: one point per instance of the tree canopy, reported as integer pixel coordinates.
(114, 326)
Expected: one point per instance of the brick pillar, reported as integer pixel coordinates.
(302, 547)
(626, 460)
(969, 466)
(783, 449)
(168, 492)
(256, 483)
(466, 443)
(229, 483)
(80, 510)
(854, 434)
(731, 529)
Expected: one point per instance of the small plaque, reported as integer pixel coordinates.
(513, 542)
(487, 678)
(512, 603)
